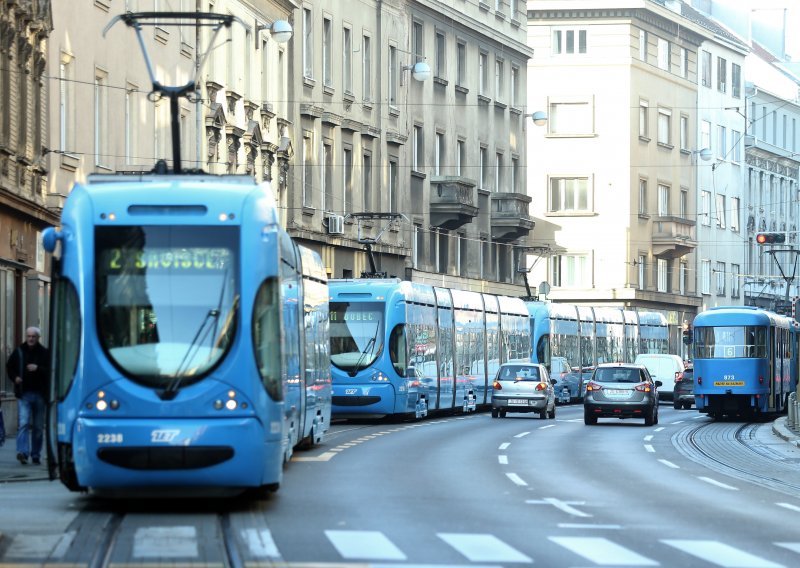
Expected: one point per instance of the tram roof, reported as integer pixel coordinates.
(741, 315)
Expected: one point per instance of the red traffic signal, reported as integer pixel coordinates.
(770, 238)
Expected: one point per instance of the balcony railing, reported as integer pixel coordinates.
(510, 217)
(673, 237)
(453, 201)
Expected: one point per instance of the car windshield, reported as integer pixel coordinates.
(617, 375)
(519, 373)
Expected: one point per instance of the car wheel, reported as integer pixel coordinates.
(687, 405)
(589, 419)
(502, 414)
(552, 414)
(494, 413)
(543, 413)
(676, 405)
(650, 419)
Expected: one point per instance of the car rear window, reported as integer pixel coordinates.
(617, 375)
(519, 373)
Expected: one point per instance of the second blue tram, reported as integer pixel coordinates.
(745, 361)
(405, 349)
(190, 337)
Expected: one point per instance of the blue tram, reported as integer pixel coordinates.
(745, 361)
(405, 349)
(189, 337)
(571, 340)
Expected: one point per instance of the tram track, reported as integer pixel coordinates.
(735, 450)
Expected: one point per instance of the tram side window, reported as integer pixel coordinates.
(266, 327)
(397, 349)
(66, 336)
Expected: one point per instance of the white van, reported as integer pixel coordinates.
(662, 367)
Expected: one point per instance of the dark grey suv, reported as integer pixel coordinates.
(621, 390)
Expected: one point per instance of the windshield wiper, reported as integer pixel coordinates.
(172, 388)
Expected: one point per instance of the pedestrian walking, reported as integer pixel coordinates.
(29, 368)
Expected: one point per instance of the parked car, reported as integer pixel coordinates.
(683, 394)
(523, 387)
(621, 390)
(662, 367)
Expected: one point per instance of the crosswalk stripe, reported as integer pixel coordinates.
(720, 554)
(602, 551)
(260, 543)
(368, 545)
(793, 546)
(483, 548)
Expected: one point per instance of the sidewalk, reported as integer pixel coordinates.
(11, 470)
(781, 431)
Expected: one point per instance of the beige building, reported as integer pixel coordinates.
(24, 284)
(445, 154)
(615, 199)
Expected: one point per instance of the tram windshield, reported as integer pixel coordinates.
(167, 300)
(730, 341)
(356, 330)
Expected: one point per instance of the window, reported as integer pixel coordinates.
(705, 134)
(131, 122)
(417, 149)
(327, 176)
(736, 146)
(735, 280)
(417, 42)
(308, 157)
(513, 8)
(101, 149)
(663, 54)
(482, 167)
(327, 52)
(392, 75)
(720, 272)
(705, 208)
(736, 81)
(347, 60)
(684, 134)
(684, 63)
(393, 185)
(683, 276)
(569, 41)
(722, 142)
(66, 104)
(461, 63)
(642, 197)
(514, 174)
(684, 204)
(515, 100)
(441, 55)
(571, 118)
(662, 272)
(643, 45)
(641, 263)
(461, 157)
(570, 270)
(569, 194)
(438, 154)
(366, 180)
(734, 215)
(705, 68)
(664, 127)
(722, 74)
(644, 131)
(499, 80)
(705, 277)
(720, 211)
(498, 171)
(663, 200)
(483, 73)
(366, 48)
(308, 44)
(347, 179)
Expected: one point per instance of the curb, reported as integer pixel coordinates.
(781, 431)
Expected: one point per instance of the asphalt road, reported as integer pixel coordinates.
(459, 491)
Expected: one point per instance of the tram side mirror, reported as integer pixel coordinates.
(50, 238)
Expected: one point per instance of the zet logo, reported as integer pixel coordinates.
(163, 436)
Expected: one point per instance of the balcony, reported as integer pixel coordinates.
(453, 202)
(510, 218)
(673, 237)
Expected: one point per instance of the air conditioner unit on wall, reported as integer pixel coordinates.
(335, 224)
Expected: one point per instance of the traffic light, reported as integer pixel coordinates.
(770, 238)
(687, 333)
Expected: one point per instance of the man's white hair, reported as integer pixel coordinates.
(34, 329)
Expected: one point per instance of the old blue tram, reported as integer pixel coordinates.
(190, 337)
(405, 349)
(745, 361)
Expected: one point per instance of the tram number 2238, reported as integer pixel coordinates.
(109, 438)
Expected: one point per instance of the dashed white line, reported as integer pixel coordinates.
(588, 526)
(789, 506)
(650, 448)
(546, 427)
(648, 437)
(669, 464)
(502, 460)
(516, 479)
(659, 429)
(503, 446)
(522, 435)
(718, 483)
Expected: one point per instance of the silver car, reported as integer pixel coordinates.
(621, 390)
(523, 387)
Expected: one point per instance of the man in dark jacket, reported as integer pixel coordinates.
(29, 369)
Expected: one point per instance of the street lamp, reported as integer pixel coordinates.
(280, 31)
(420, 70)
(705, 154)
(539, 118)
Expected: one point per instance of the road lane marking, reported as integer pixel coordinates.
(548, 426)
(602, 551)
(648, 437)
(789, 506)
(588, 526)
(565, 506)
(522, 435)
(516, 479)
(260, 543)
(720, 554)
(793, 546)
(650, 448)
(503, 459)
(718, 483)
(659, 429)
(371, 545)
(483, 548)
(669, 464)
(504, 445)
(165, 542)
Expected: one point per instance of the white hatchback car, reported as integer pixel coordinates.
(662, 367)
(523, 387)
